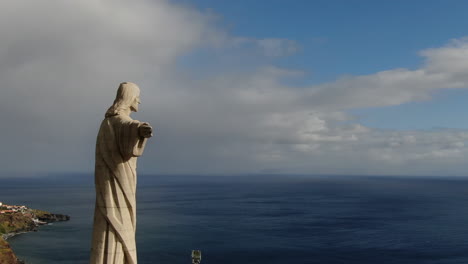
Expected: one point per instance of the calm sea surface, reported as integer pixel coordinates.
(260, 219)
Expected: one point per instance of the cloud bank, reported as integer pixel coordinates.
(225, 112)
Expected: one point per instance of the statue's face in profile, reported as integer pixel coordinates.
(135, 103)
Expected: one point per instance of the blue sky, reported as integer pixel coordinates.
(346, 37)
(357, 38)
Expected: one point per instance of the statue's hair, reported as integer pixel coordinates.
(126, 94)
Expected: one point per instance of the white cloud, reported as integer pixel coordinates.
(269, 47)
(278, 47)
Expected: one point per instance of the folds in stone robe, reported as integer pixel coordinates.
(117, 148)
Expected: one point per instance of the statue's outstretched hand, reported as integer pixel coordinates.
(145, 130)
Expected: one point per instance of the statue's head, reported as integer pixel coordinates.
(128, 97)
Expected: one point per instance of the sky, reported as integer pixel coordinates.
(239, 87)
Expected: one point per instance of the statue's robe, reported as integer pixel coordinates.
(117, 148)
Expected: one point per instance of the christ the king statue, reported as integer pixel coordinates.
(119, 142)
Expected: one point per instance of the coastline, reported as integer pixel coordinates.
(12, 234)
(20, 222)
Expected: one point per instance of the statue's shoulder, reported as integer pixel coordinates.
(122, 119)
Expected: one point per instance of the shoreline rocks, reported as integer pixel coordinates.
(49, 218)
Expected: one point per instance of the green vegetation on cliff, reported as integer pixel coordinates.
(16, 222)
(39, 213)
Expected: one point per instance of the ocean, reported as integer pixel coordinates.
(259, 219)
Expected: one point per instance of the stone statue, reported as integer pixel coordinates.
(119, 142)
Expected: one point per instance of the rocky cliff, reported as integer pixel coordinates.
(6, 254)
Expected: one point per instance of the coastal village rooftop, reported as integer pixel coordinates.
(5, 208)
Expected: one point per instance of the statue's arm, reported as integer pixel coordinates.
(145, 131)
(131, 136)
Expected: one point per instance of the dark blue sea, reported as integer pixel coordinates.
(260, 219)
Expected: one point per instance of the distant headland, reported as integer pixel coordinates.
(17, 219)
